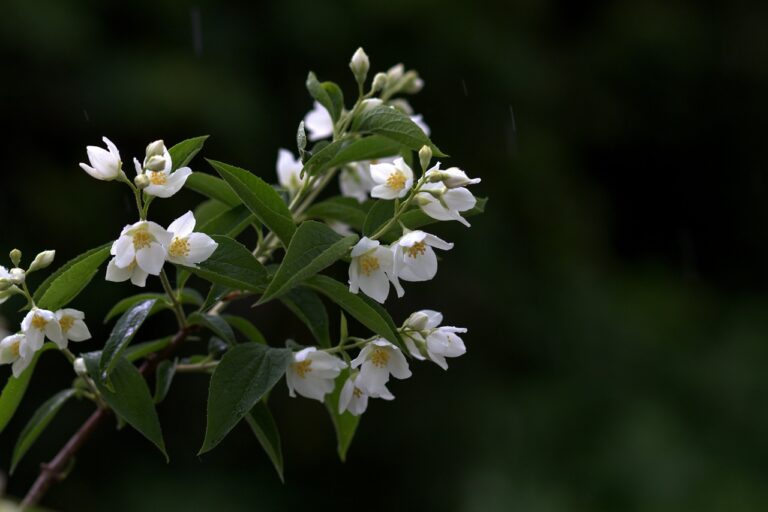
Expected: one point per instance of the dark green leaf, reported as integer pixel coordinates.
(308, 308)
(216, 325)
(394, 125)
(344, 424)
(163, 378)
(209, 209)
(68, 281)
(234, 266)
(244, 375)
(381, 213)
(122, 334)
(364, 310)
(321, 158)
(183, 152)
(37, 424)
(366, 148)
(140, 350)
(341, 209)
(246, 327)
(229, 223)
(15, 388)
(129, 397)
(188, 296)
(215, 294)
(213, 187)
(327, 94)
(313, 248)
(265, 429)
(260, 198)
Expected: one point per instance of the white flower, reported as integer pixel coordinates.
(72, 323)
(162, 182)
(452, 177)
(415, 260)
(289, 171)
(370, 269)
(140, 250)
(188, 248)
(423, 336)
(377, 360)
(419, 121)
(319, 122)
(341, 228)
(105, 165)
(360, 65)
(392, 180)
(40, 324)
(312, 373)
(355, 400)
(442, 203)
(15, 349)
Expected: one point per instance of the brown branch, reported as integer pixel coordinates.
(55, 470)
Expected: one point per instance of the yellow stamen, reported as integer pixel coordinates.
(157, 178)
(396, 180)
(368, 264)
(15, 349)
(380, 357)
(302, 368)
(66, 323)
(416, 250)
(141, 239)
(39, 322)
(179, 248)
(357, 393)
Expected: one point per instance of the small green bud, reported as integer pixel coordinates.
(379, 82)
(156, 148)
(15, 257)
(155, 163)
(425, 156)
(42, 260)
(79, 367)
(141, 181)
(360, 65)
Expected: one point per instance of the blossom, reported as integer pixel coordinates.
(312, 373)
(370, 269)
(452, 177)
(162, 182)
(377, 360)
(423, 336)
(414, 258)
(105, 165)
(15, 349)
(392, 180)
(39, 324)
(72, 323)
(140, 250)
(355, 400)
(185, 247)
(355, 181)
(442, 203)
(319, 123)
(289, 171)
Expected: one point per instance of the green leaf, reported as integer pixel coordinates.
(328, 94)
(244, 375)
(230, 223)
(341, 209)
(140, 350)
(366, 148)
(381, 213)
(37, 424)
(213, 187)
(69, 280)
(246, 327)
(216, 325)
(265, 429)
(129, 397)
(364, 310)
(321, 158)
(215, 294)
(313, 248)
(344, 424)
(209, 209)
(15, 388)
(394, 125)
(416, 218)
(163, 378)
(308, 308)
(188, 296)
(234, 266)
(122, 334)
(183, 152)
(260, 198)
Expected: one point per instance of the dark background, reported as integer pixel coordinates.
(615, 291)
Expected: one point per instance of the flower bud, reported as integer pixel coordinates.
(360, 65)
(425, 156)
(15, 256)
(141, 181)
(301, 137)
(379, 82)
(417, 321)
(412, 83)
(394, 74)
(79, 367)
(18, 276)
(155, 163)
(156, 148)
(42, 260)
(5, 284)
(456, 178)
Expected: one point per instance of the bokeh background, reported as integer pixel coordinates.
(615, 292)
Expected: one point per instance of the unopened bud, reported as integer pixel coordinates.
(394, 74)
(360, 65)
(425, 156)
(18, 276)
(15, 257)
(141, 181)
(301, 137)
(455, 178)
(5, 283)
(155, 163)
(156, 148)
(418, 321)
(412, 83)
(42, 260)
(79, 367)
(379, 82)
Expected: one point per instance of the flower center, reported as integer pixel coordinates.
(157, 178)
(39, 322)
(302, 368)
(66, 323)
(141, 239)
(179, 247)
(15, 349)
(396, 180)
(380, 357)
(357, 393)
(369, 264)
(416, 250)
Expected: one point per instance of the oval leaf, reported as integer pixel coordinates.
(15, 388)
(234, 266)
(328, 94)
(345, 424)
(394, 125)
(183, 152)
(308, 308)
(68, 281)
(381, 213)
(213, 187)
(163, 378)
(265, 429)
(216, 325)
(122, 334)
(188, 296)
(250, 331)
(244, 375)
(340, 209)
(229, 223)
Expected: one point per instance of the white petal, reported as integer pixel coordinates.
(398, 366)
(151, 259)
(372, 379)
(363, 246)
(183, 226)
(78, 332)
(319, 122)
(124, 251)
(139, 277)
(387, 193)
(375, 285)
(381, 172)
(423, 267)
(117, 274)
(201, 247)
(459, 199)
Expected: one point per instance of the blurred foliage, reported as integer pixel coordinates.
(615, 291)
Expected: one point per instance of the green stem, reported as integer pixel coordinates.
(196, 368)
(177, 307)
